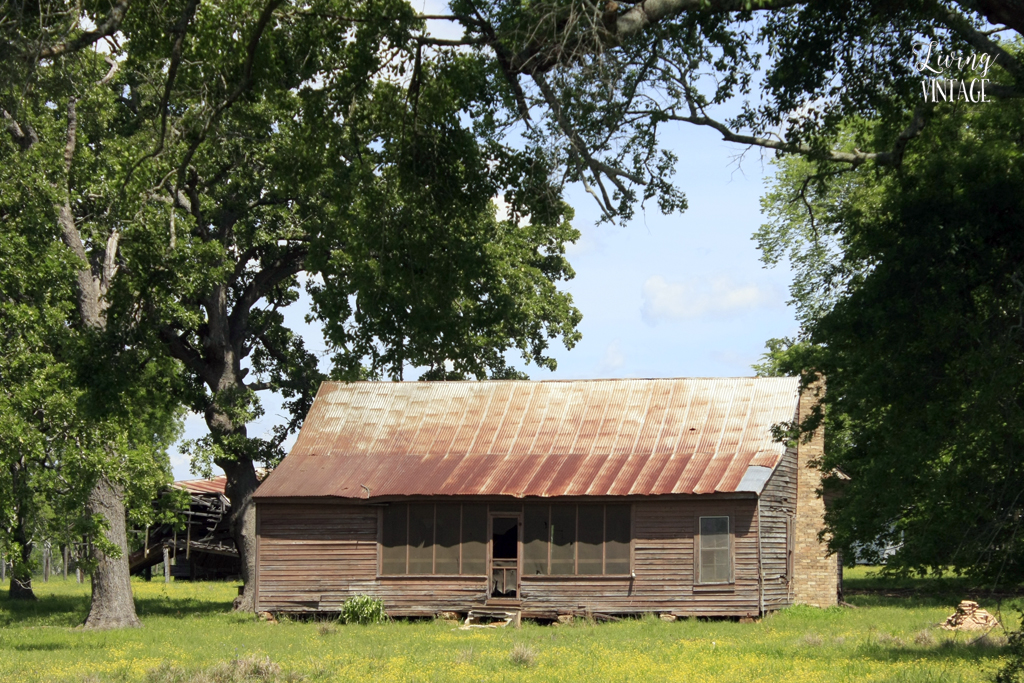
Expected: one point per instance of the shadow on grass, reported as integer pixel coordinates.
(49, 647)
(943, 652)
(53, 610)
(919, 601)
(161, 606)
(70, 611)
(873, 582)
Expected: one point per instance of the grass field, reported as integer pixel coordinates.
(189, 635)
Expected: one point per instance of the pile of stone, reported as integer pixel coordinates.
(968, 617)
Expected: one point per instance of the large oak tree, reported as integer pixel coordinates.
(249, 144)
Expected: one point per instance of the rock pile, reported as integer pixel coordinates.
(968, 617)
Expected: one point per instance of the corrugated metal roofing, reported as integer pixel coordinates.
(214, 485)
(556, 438)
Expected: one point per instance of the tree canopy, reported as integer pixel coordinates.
(201, 162)
(912, 299)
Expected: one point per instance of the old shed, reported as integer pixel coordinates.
(603, 496)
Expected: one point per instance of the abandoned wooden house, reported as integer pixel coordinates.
(203, 547)
(547, 498)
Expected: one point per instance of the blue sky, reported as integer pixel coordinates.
(665, 296)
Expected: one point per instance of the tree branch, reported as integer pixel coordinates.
(25, 137)
(181, 29)
(90, 296)
(980, 41)
(110, 74)
(542, 57)
(265, 280)
(597, 167)
(243, 85)
(429, 40)
(1009, 12)
(180, 348)
(894, 157)
(109, 27)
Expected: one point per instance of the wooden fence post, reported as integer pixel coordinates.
(3, 567)
(65, 556)
(167, 565)
(46, 561)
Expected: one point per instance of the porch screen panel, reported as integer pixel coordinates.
(474, 539)
(393, 540)
(447, 533)
(535, 540)
(616, 544)
(421, 539)
(590, 529)
(563, 539)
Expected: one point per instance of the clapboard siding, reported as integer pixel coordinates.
(778, 510)
(313, 556)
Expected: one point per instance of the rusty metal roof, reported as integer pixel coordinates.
(555, 438)
(214, 485)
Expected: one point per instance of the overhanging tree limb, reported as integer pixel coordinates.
(596, 166)
(893, 157)
(108, 27)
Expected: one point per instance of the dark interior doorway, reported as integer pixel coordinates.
(506, 538)
(504, 558)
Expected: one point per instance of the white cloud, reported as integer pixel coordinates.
(614, 358)
(664, 300)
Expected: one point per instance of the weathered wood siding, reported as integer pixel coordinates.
(663, 561)
(311, 557)
(778, 510)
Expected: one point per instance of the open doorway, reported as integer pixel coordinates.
(504, 579)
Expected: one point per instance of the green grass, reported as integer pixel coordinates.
(189, 632)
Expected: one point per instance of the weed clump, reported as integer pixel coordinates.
(325, 629)
(363, 609)
(889, 639)
(523, 655)
(925, 638)
(813, 640)
(250, 669)
(464, 656)
(990, 641)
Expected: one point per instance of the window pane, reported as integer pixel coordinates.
(446, 547)
(616, 544)
(421, 539)
(591, 536)
(393, 540)
(714, 550)
(714, 565)
(563, 539)
(714, 532)
(535, 540)
(474, 539)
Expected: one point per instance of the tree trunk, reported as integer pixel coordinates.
(21, 572)
(112, 603)
(241, 484)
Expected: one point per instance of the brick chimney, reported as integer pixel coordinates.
(815, 575)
